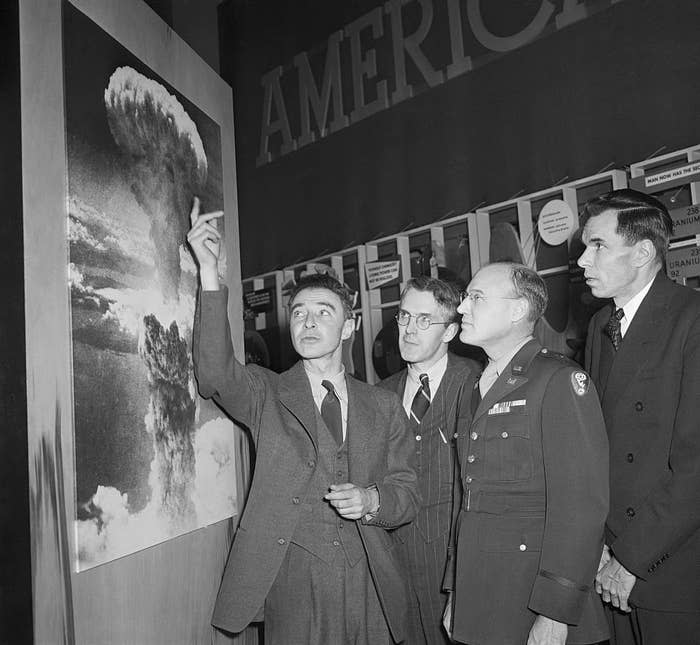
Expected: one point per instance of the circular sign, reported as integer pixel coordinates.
(556, 222)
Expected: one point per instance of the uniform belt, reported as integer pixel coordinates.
(499, 504)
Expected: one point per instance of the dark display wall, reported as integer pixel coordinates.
(15, 559)
(556, 90)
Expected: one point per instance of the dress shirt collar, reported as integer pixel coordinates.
(632, 306)
(502, 361)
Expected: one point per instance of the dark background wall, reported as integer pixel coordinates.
(15, 558)
(605, 91)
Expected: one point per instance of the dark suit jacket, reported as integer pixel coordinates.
(278, 409)
(533, 468)
(651, 403)
(435, 461)
(425, 541)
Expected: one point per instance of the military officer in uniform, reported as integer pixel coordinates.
(431, 387)
(534, 472)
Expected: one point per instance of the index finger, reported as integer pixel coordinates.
(207, 217)
(194, 213)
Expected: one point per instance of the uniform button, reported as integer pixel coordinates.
(630, 457)
(471, 459)
(474, 436)
(311, 463)
(340, 525)
(336, 543)
(339, 473)
(523, 547)
(455, 435)
(544, 351)
(469, 479)
(638, 406)
(295, 500)
(281, 541)
(630, 511)
(504, 434)
(418, 437)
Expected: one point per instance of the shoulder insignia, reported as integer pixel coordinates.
(580, 382)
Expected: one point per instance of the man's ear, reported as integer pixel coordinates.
(450, 332)
(644, 253)
(348, 328)
(520, 310)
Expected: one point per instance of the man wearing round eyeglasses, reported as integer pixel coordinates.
(534, 473)
(430, 387)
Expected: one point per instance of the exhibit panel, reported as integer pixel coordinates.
(448, 249)
(135, 482)
(540, 229)
(674, 178)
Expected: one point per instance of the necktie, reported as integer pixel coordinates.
(330, 411)
(421, 401)
(488, 378)
(613, 327)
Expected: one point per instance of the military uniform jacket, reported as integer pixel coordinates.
(533, 467)
(279, 411)
(651, 402)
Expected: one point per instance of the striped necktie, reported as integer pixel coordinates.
(613, 328)
(421, 401)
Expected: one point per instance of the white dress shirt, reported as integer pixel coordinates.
(435, 373)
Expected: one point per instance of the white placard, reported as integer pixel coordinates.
(556, 222)
(379, 273)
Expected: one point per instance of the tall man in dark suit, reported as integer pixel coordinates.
(643, 353)
(333, 471)
(533, 467)
(431, 386)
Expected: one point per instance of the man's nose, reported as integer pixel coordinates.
(583, 259)
(310, 320)
(412, 326)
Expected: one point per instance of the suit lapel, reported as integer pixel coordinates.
(510, 379)
(361, 422)
(636, 348)
(295, 395)
(452, 381)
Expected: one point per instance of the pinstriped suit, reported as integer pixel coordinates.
(424, 542)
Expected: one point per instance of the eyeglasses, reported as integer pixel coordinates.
(477, 298)
(423, 321)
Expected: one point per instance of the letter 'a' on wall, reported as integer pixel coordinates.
(133, 478)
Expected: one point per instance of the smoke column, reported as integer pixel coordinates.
(167, 166)
(167, 161)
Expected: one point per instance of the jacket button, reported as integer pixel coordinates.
(504, 434)
(630, 457)
(336, 543)
(471, 459)
(311, 463)
(469, 479)
(474, 436)
(418, 437)
(523, 547)
(630, 511)
(281, 541)
(295, 500)
(638, 406)
(455, 435)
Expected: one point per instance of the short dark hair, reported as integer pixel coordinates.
(639, 217)
(324, 281)
(446, 294)
(529, 285)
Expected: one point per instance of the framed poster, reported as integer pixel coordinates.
(123, 125)
(152, 460)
